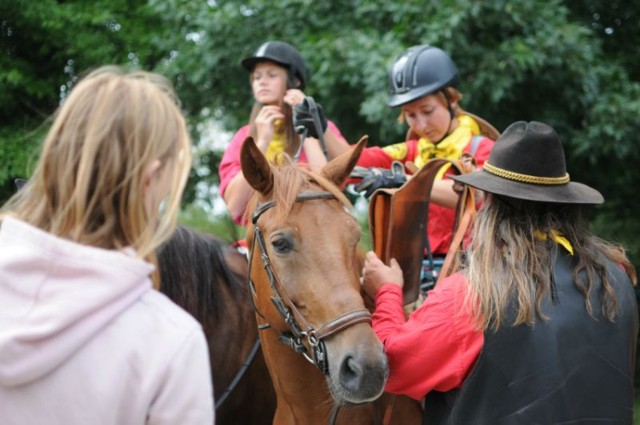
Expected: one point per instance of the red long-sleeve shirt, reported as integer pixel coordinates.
(436, 348)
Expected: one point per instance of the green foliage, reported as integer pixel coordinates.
(573, 64)
(46, 45)
(17, 150)
(201, 219)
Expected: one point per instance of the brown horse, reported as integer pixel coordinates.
(208, 279)
(326, 363)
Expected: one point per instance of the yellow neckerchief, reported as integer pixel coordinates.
(557, 238)
(451, 147)
(276, 145)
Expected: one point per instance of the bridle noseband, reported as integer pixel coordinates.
(300, 328)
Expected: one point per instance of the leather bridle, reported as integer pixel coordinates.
(300, 328)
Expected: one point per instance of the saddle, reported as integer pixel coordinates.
(398, 220)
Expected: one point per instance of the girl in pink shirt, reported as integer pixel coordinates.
(278, 78)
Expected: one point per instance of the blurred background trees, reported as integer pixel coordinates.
(573, 64)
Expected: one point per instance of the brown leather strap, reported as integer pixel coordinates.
(451, 260)
(348, 319)
(336, 325)
(397, 221)
(465, 213)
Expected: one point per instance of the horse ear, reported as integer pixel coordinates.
(339, 169)
(255, 167)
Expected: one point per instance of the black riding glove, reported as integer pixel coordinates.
(303, 117)
(377, 178)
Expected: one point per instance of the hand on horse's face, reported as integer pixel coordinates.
(375, 274)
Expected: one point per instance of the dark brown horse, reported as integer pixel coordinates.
(326, 363)
(208, 279)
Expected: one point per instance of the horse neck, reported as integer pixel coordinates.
(301, 388)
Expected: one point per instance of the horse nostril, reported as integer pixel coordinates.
(363, 376)
(350, 374)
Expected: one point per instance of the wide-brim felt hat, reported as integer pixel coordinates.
(527, 162)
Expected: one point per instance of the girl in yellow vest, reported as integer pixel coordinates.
(422, 83)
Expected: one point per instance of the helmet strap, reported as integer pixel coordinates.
(452, 115)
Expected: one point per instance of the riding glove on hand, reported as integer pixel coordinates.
(303, 117)
(377, 178)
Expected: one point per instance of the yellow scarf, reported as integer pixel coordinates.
(557, 238)
(451, 147)
(276, 145)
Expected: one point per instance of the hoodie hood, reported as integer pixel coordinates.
(55, 295)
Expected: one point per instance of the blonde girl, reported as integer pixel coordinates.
(84, 338)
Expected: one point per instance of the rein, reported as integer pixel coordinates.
(243, 368)
(300, 328)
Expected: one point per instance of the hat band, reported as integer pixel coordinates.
(525, 178)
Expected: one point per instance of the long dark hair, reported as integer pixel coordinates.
(507, 261)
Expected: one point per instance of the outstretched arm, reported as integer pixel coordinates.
(442, 193)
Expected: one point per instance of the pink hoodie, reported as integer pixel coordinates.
(85, 340)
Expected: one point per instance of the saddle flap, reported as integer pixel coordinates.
(397, 222)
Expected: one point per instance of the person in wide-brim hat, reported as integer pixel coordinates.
(528, 163)
(541, 313)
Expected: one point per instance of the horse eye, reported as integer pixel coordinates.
(281, 245)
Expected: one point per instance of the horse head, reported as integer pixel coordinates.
(305, 278)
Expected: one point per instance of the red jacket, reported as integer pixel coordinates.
(435, 349)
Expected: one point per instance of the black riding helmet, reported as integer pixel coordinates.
(283, 54)
(419, 71)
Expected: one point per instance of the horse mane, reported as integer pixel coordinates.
(289, 179)
(194, 271)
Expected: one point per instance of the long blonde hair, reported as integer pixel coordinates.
(507, 262)
(88, 185)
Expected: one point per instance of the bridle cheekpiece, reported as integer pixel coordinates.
(300, 329)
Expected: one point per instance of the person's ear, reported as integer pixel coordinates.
(151, 172)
